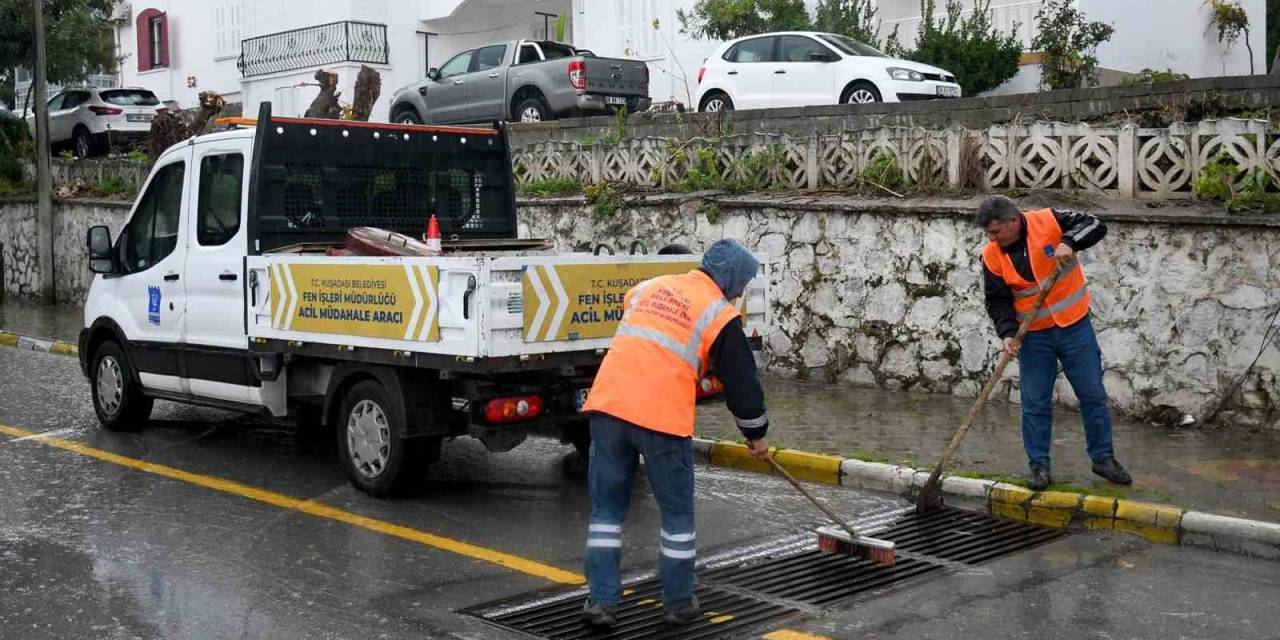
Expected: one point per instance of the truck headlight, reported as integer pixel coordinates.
(898, 73)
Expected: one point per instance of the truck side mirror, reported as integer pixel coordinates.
(433, 74)
(101, 258)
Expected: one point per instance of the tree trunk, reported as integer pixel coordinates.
(326, 104)
(211, 105)
(368, 88)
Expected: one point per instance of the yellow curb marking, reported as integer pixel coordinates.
(804, 466)
(310, 507)
(8, 339)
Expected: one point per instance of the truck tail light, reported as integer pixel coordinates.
(578, 74)
(513, 409)
(709, 387)
(701, 71)
(105, 111)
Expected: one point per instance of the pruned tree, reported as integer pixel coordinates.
(326, 104)
(368, 89)
(211, 104)
(729, 19)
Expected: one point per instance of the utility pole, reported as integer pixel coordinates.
(44, 177)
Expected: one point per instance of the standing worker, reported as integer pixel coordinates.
(674, 329)
(1021, 255)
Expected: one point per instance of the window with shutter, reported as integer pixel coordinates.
(153, 40)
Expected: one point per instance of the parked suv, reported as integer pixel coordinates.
(799, 68)
(524, 81)
(91, 119)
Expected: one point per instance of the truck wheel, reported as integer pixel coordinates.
(533, 109)
(376, 459)
(406, 116)
(117, 399)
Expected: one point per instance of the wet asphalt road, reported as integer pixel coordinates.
(97, 549)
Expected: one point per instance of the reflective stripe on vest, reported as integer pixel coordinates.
(1031, 292)
(1063, 304)
(687, 351)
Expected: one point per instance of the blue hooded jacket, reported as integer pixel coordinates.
(731, 266)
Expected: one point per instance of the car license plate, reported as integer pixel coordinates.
(614, 100)
(949, 92)
(580, 398)
(138, 117)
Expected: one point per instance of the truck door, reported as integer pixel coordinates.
(487, 86)
(149, 290)
(214, 357)
(447, 96)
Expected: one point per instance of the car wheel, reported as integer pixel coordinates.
(117, 399)
(532, 109)
(715, 102)
(861, 93)
(83, 143)
(407, 116)
(377, 458)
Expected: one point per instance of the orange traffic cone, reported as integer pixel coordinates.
(433, 236)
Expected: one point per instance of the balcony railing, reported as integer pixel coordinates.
(1018, 18)
(346, 41)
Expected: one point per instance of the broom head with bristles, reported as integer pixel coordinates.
(837, 540)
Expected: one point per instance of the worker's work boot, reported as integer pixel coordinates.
(1040, 479)
(599, 615)
(1112, 471)
(683, 615)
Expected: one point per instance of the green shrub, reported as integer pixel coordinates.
(979, 53)
(1151, 75)
(883, 171)
(1068, 44)
(552, 187)
(605, 200)
(1240, 192)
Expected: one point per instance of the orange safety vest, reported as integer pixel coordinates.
(1068, 301)
(650, 375)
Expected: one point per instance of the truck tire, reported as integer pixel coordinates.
(117, 398)
(532, 109)
(406, 115)
(376, 457)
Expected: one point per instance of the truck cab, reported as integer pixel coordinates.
(224, 289)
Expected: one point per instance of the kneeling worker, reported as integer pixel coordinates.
(674, 330)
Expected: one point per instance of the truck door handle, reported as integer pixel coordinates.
(229, 277)
(459, 82)
(493, 75)
(733, 73)
(780, 71)
(466, 297)
(170, 277)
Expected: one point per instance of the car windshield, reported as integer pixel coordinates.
(130, 97)
(852, 47)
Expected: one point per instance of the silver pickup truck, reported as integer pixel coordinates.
(525, 81)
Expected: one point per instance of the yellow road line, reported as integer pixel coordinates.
(787, 634)
(310, 507)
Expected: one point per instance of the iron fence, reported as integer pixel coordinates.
(346, 41)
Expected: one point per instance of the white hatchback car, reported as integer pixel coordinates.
(799, 68)
(92, 120)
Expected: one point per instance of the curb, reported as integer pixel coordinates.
(1155, 522)
(19, 341)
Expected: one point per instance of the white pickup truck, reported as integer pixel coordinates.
(221, 291)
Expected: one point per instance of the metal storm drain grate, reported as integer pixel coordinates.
(772, 587)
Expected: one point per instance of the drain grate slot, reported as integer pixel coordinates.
(770, 589)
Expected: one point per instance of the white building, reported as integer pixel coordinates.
(1155, 34)
(252, 51)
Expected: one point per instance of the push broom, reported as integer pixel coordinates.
(930, 495)
(846, 542)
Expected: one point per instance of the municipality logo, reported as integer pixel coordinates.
(153, 305)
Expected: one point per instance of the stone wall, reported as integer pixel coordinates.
(1152, 104)
(876, 292)
(71, 221)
